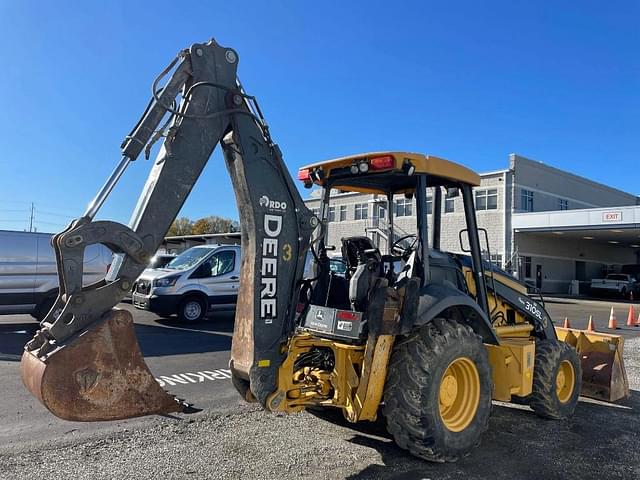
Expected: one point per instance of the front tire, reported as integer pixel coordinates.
(437, 397)
(192, 309)
(557, 380)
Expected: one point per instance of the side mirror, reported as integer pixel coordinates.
(464, 235)
(465, 245)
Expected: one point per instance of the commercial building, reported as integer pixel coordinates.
(179, 243)
(544, 225)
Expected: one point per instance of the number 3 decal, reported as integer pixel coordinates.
(287, 252)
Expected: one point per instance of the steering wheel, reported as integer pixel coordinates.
(404, 252)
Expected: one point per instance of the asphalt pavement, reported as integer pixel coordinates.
(230, 439)
(189, 361)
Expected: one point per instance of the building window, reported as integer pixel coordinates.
(332, 214)
(403, 207)
(487, 199)
(449, 203)
(380, 210)
(362, 211)
(563, 204)
(343, 213)
(496, 259)
(429, 205)
(526, 200)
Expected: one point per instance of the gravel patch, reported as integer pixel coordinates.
(600, 441)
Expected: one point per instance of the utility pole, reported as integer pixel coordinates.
(31, 218)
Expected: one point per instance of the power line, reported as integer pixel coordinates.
(57, 214)
(32, 216)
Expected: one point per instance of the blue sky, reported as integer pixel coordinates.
(469, 81)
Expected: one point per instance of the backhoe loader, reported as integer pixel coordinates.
(424, 337)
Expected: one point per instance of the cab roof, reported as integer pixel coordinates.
(386, 171)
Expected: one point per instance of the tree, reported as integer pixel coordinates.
(214, 224)
(180, 226)
(201, 226)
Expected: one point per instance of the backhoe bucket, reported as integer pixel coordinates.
(98, 374)
(603, 373)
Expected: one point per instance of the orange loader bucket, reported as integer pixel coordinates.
(98, 374)
(603, 373)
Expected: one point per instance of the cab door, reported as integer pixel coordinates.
(220, 277)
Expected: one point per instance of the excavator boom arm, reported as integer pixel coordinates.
(206, 106)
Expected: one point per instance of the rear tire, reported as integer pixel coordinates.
(192, 309)
(557, 380)
(437, 397)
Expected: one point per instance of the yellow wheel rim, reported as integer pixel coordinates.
(459, 394)
(565, 381)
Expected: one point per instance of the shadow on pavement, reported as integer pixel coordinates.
(333, 415)
(215, 322)
(170, 337)
(599, 441)
(13, 337)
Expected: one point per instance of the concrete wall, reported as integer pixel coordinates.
(558, 258)
(550, 184)
(582, 250)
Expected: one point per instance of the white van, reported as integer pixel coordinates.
(28, 271)
(198, 280)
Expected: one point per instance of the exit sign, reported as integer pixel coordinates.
(612, 216)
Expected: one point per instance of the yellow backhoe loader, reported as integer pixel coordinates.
(426, 337)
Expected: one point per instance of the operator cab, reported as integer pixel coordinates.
(348, 306)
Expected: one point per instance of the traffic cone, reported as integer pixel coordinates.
(591, 327)
(638, 321)
(566, 323)
(631, 318)
(613, 320)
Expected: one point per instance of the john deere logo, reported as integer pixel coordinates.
(319, 315)
(271, 204)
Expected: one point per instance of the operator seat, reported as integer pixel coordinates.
(364, 264)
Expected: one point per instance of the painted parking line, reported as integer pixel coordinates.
(193, 377)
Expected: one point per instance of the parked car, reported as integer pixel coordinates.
(199, 280)
(28, 271)
(336, 264)
(633, 270)
(620, 284)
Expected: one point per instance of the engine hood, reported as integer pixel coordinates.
(151, 274)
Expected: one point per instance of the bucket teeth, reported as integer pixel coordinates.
(98, 374)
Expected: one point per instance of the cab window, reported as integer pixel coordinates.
(222, 263)
(216, 265)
